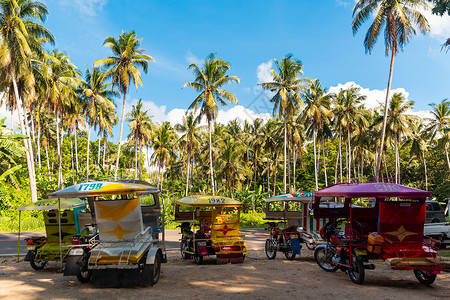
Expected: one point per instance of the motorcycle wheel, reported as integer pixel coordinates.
(198, 259)
(85, 274)
(424, 276)
(151, 273)
(288, 251)
(36, 265)
(271, 251)
(183, 247)
(356, 272)
(323, 258)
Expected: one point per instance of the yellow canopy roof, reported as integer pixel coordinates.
(102, 188)
(207, 200)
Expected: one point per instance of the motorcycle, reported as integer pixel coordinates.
(202, 245)
(284, 240)
(337, 253)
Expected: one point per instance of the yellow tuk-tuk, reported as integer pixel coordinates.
(217, 220)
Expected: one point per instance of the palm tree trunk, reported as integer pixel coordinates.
(87, 153)
(336, 168)
(446, 155)
(275, 175)
(284, 168)
(315, 162)
(324, 162)
(104, 152)
(295, 162)
(426, 175)
(187, 172)
(340, 150)
(120, 137)
(58, 149)
(76, 148)
(289, 164)
(140, 160)
(28, 154)
(268, 176)
(349, 155)
(98, 152)
(71, 159)
(396, 161)
(62, 144)
(135, 159)
(386, 102)
(256, 166)
(33, 134)
(39, 145)
(48, 164)
(210, 158)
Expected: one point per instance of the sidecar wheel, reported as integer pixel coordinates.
(424, 276)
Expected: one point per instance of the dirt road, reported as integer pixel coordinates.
(256, 278)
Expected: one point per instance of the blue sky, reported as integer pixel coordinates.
(249, 34)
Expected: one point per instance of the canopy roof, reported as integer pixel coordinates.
(53, 204)
(373, 189)
(207, 200)
(103, 188)
(297, 196)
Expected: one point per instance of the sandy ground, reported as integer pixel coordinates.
(256, 278)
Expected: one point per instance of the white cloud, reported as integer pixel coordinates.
(376, 97)
(192, 59)
(90, 8)
(439, 26)
(263, 72)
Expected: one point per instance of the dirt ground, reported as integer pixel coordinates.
(256, 278)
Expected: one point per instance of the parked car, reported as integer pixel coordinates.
(435, 213)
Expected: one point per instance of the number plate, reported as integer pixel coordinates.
(361, 252)
(202, 243)
(294, 236)
(31, 247)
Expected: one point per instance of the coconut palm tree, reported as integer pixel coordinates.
(124, 64)
(98, 102)
(349, 113)
(62, 81)
(440, 123)
(398, 18)
(418, 143)
(164, 140)
(397, 125)
(317, 113)
(209, 80)
(190, 139)
(287, 85)
(230, 165)
(141, 130)
(21, 40)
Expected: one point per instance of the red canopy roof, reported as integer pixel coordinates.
(373, 189)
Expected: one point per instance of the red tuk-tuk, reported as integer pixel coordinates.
(380, 221)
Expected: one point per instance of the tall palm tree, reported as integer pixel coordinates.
(190, 139)
(21, 40)
(418, 142)
(286, 85)
(440, 124)
(62, 81)
(141, 130)
(230, 165)
(98, 102)
(209, 80)
(124, 64)
(398, 18)
(318, 113)
(398, 124)
(163, 145)
(349, 112)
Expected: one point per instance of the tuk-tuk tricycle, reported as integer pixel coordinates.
(130, 246)
(218, 233)
(63, 220)
(293, 210)
(379, 221)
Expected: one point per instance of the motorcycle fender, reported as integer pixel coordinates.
(72, 267)
(151, 254)
(321, 246)
(28, 256)
(295, 245)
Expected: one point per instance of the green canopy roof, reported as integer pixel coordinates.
(53, 204)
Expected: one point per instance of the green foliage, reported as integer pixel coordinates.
(252, 220)
(441, 6)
